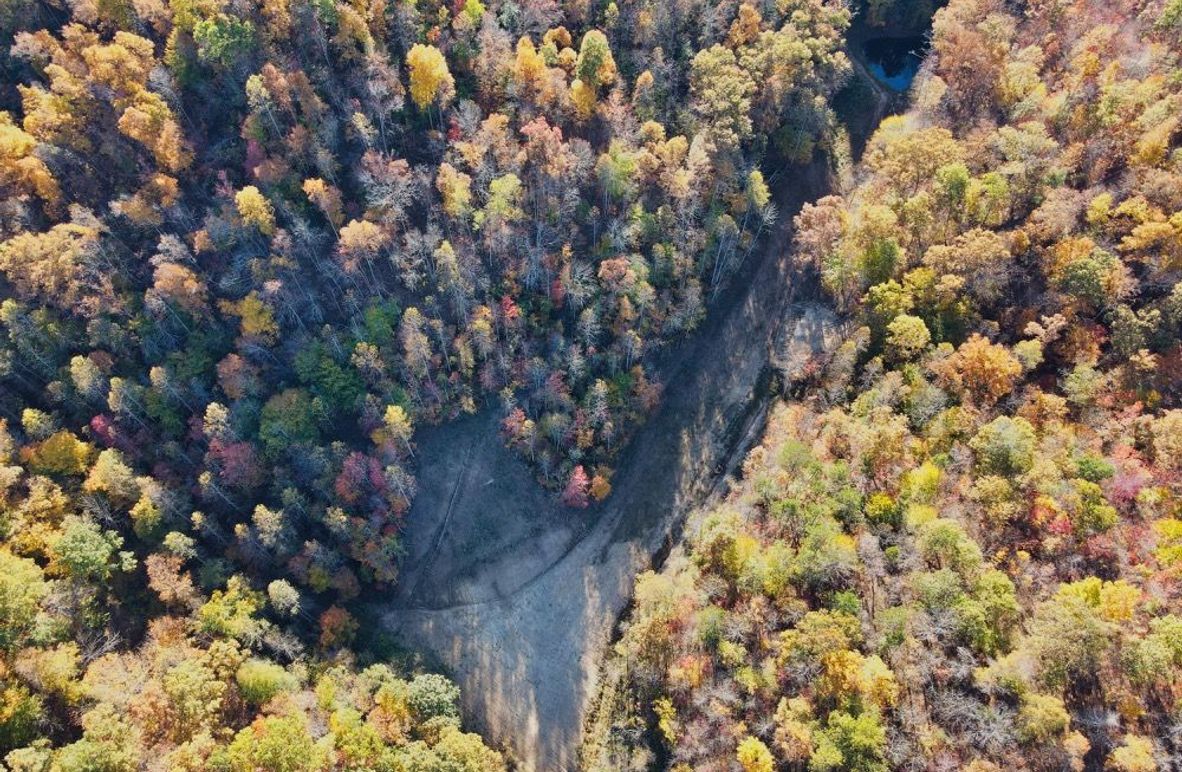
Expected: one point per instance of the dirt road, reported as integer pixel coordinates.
(517, 595)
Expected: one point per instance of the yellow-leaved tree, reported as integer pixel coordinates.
(430, 80)
(255, 209)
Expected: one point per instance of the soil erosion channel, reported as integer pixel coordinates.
(518, 595)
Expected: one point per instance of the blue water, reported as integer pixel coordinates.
(894, 62)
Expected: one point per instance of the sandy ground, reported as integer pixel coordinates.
(518, 596)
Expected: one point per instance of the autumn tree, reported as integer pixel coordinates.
(722, 92)
(431, 82)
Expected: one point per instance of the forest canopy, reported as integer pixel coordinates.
(957, 546)
(249, 249)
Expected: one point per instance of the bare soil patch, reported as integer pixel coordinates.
(516, 595)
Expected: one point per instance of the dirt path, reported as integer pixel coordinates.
(516, 595)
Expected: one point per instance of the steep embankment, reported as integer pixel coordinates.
(517, 594)
(960, 547)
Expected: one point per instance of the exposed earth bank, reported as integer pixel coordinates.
(518, 595)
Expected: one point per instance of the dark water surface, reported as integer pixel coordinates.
(894, 62)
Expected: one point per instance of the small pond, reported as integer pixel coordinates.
(894, 62)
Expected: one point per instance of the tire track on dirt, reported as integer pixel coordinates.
(428, 560)
(527, 655)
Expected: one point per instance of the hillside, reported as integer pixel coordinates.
(476, 385)
(958, 547)
(251, 251)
